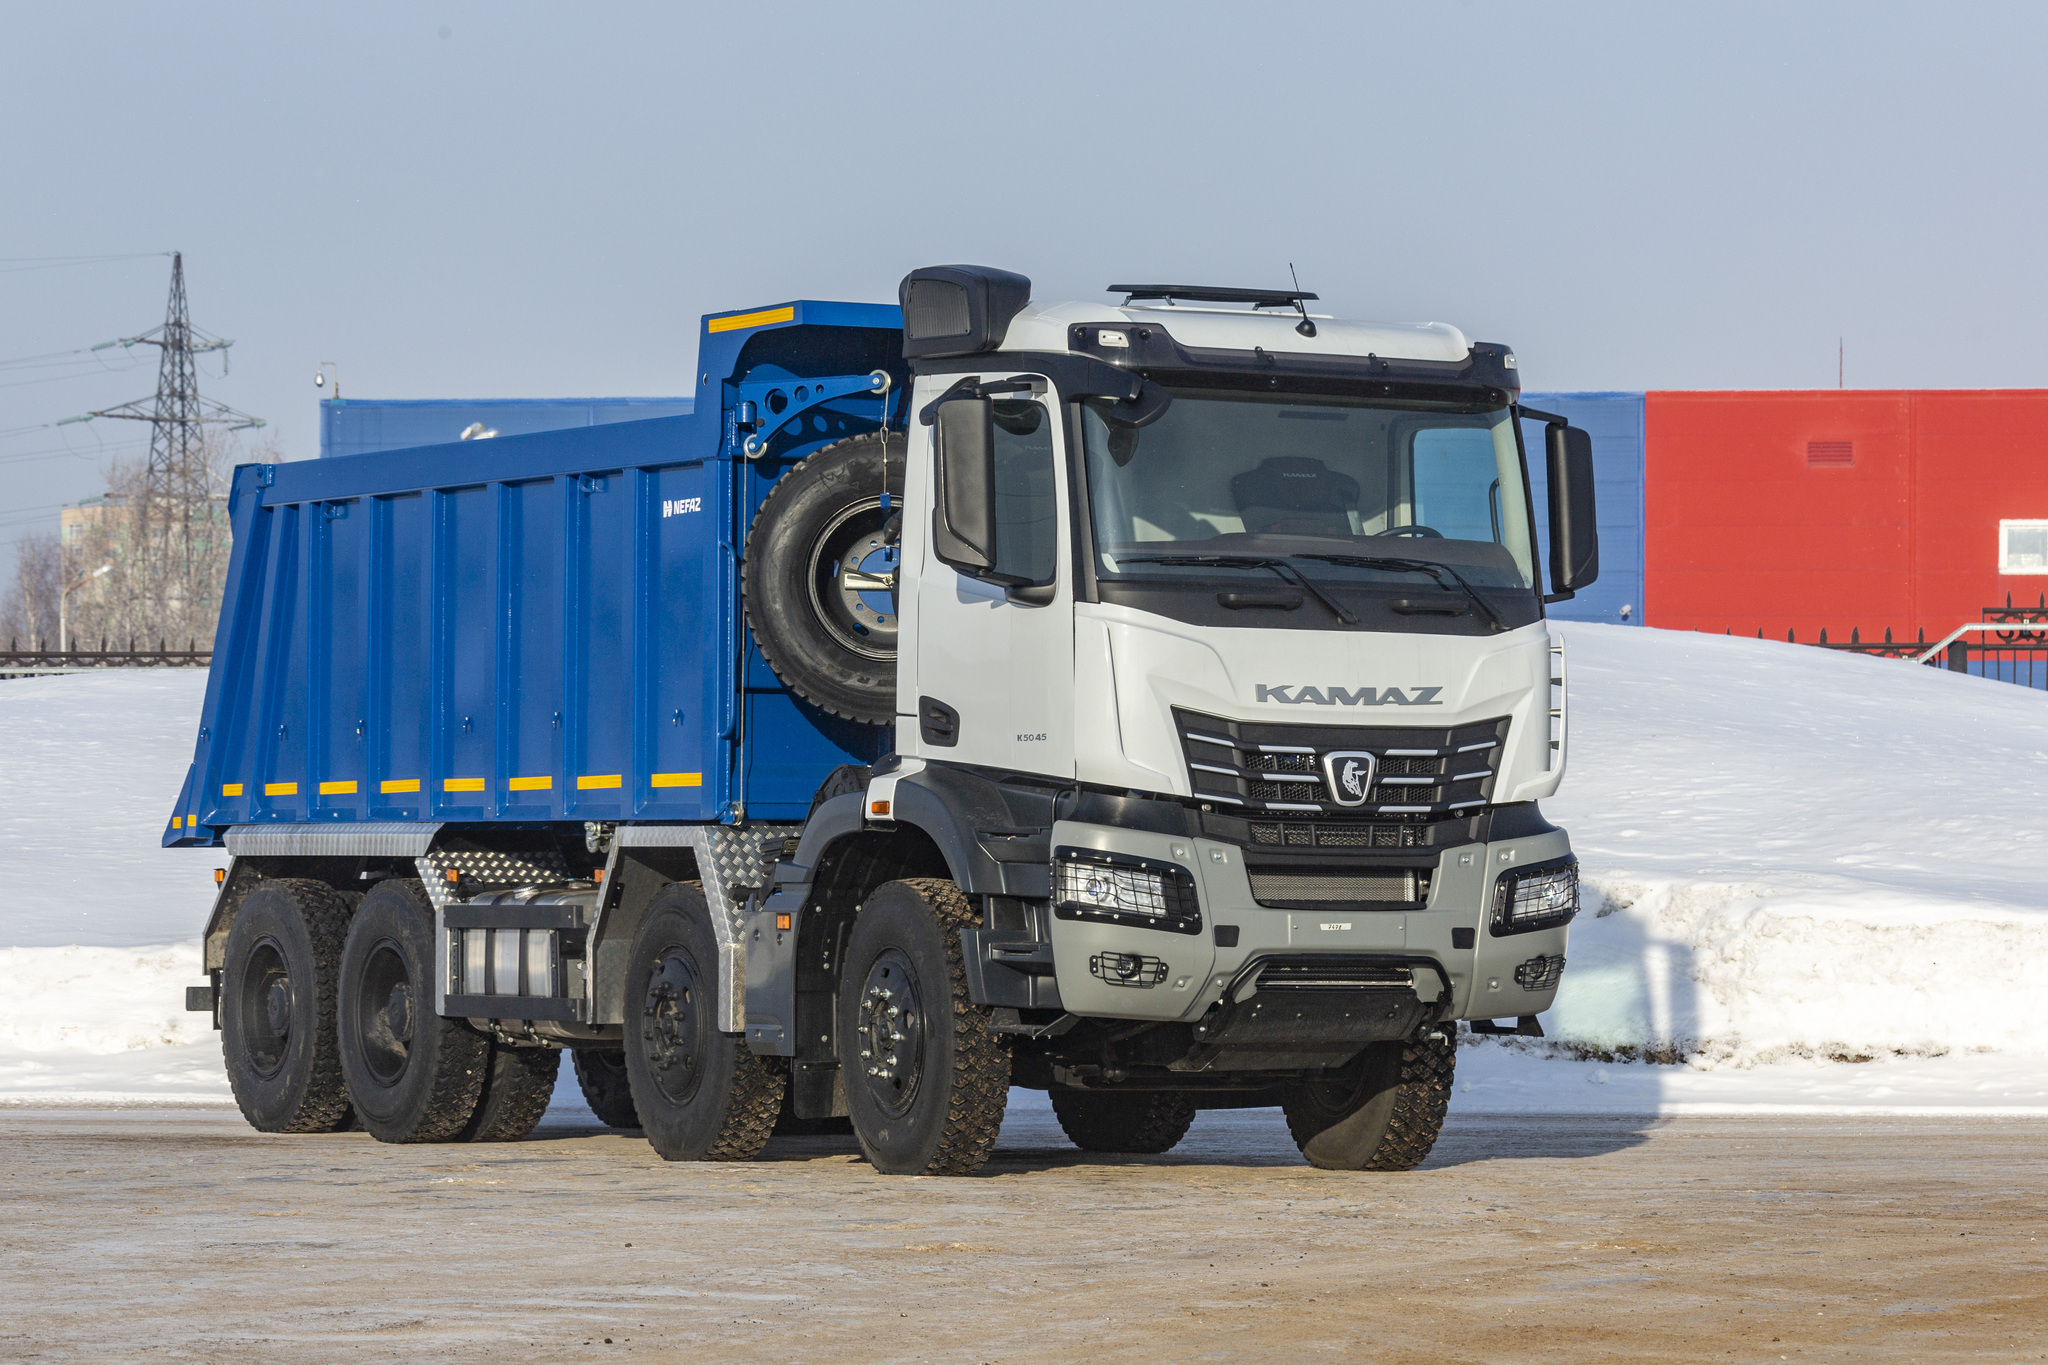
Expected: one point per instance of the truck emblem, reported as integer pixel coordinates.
(1346, 696)
(1350, 772)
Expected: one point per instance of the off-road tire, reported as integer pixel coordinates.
(413, 1076)
(945, 1103)
(1142, 1122)
(518, 1084)
(602, 1078)
(1382, 1112)
(792, 552)
(288, 933)
(699, 1093)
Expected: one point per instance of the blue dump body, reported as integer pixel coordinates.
(540, 627)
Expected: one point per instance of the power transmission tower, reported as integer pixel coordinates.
(173, 508)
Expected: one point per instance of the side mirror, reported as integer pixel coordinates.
(1574, 531)
(964, 510)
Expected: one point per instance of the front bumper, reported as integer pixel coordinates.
(1125, 969)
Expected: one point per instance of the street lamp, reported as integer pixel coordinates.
(63, 621)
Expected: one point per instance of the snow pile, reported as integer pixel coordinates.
(99, 1000)
(1792, 853)
(94, 764)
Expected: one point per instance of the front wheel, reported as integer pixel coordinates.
(1382, 1111)
(700, 1095)
(926, 1083)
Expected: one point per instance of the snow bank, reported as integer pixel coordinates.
(1792, 853)
(94, 764)
(1793, 859)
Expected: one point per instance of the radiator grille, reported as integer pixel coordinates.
(1444, 772)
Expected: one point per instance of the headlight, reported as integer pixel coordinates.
(1090, 885)
(1540, 896)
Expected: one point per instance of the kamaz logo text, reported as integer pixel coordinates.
(1348, 696)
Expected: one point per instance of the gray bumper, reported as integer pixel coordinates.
(1179, 976)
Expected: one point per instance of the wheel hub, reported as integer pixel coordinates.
(382, 1001)
(277, 1006)
(265, 1002)
(853, 577)
(890, 1029)
(670, 1026)
(398, 1013)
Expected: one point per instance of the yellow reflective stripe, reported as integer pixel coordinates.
(463, 784)
(584, 784)
(760, 319)
(531, 784)
(337, 789)
(231, 789)
(280, 789)
(678, 779)
(400, 784)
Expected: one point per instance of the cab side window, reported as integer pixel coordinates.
(1026, 500)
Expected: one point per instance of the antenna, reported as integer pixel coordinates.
(1838, 362)
(1305, 327)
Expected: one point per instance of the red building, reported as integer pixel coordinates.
(1910, 510)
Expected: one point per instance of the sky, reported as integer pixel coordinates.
(527, 200)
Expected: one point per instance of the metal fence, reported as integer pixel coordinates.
(18, 662)
(2016, 656)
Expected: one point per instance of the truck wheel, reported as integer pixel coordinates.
(700, 1095)
(602, 1076)
(277, 1007)
(1140, 1121)
(412, 1075)
(925, 1080)
(832, 641)
(518, 1083)
(1381, 1112)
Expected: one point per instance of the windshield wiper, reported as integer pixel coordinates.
(1281, 567)
(1436, 571)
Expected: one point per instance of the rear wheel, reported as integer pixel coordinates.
(412, 1075)
(606, 1088)
(1380, 1112)
(518, 1084)
(819, 577)
(700, 1095)
(1138, 1121)
(926, 1083)
(277, 1007)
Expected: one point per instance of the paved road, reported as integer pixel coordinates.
(183, 1235)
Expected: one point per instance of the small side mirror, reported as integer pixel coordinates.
(1574, 530)
(964, 512)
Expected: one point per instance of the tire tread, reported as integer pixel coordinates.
(981, 1074)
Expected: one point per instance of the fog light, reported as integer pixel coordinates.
(1087, 884)
(1540, 896)
(1540, 973)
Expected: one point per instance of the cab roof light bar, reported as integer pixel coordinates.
(1207, 293)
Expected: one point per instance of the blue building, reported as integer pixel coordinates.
(1615, 421)
(358, 426)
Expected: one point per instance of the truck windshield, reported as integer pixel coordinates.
(1340, 490)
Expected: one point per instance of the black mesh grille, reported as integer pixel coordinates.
(1319, 886)
(1299, 975)
(1333, 834)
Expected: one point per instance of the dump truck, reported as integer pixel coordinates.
(1148, 703)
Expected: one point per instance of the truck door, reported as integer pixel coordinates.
(999, 660)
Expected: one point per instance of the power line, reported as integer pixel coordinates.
(10, 265)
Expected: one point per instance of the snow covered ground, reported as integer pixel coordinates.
(1814, 882)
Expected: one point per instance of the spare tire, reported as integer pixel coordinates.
(831, 639)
